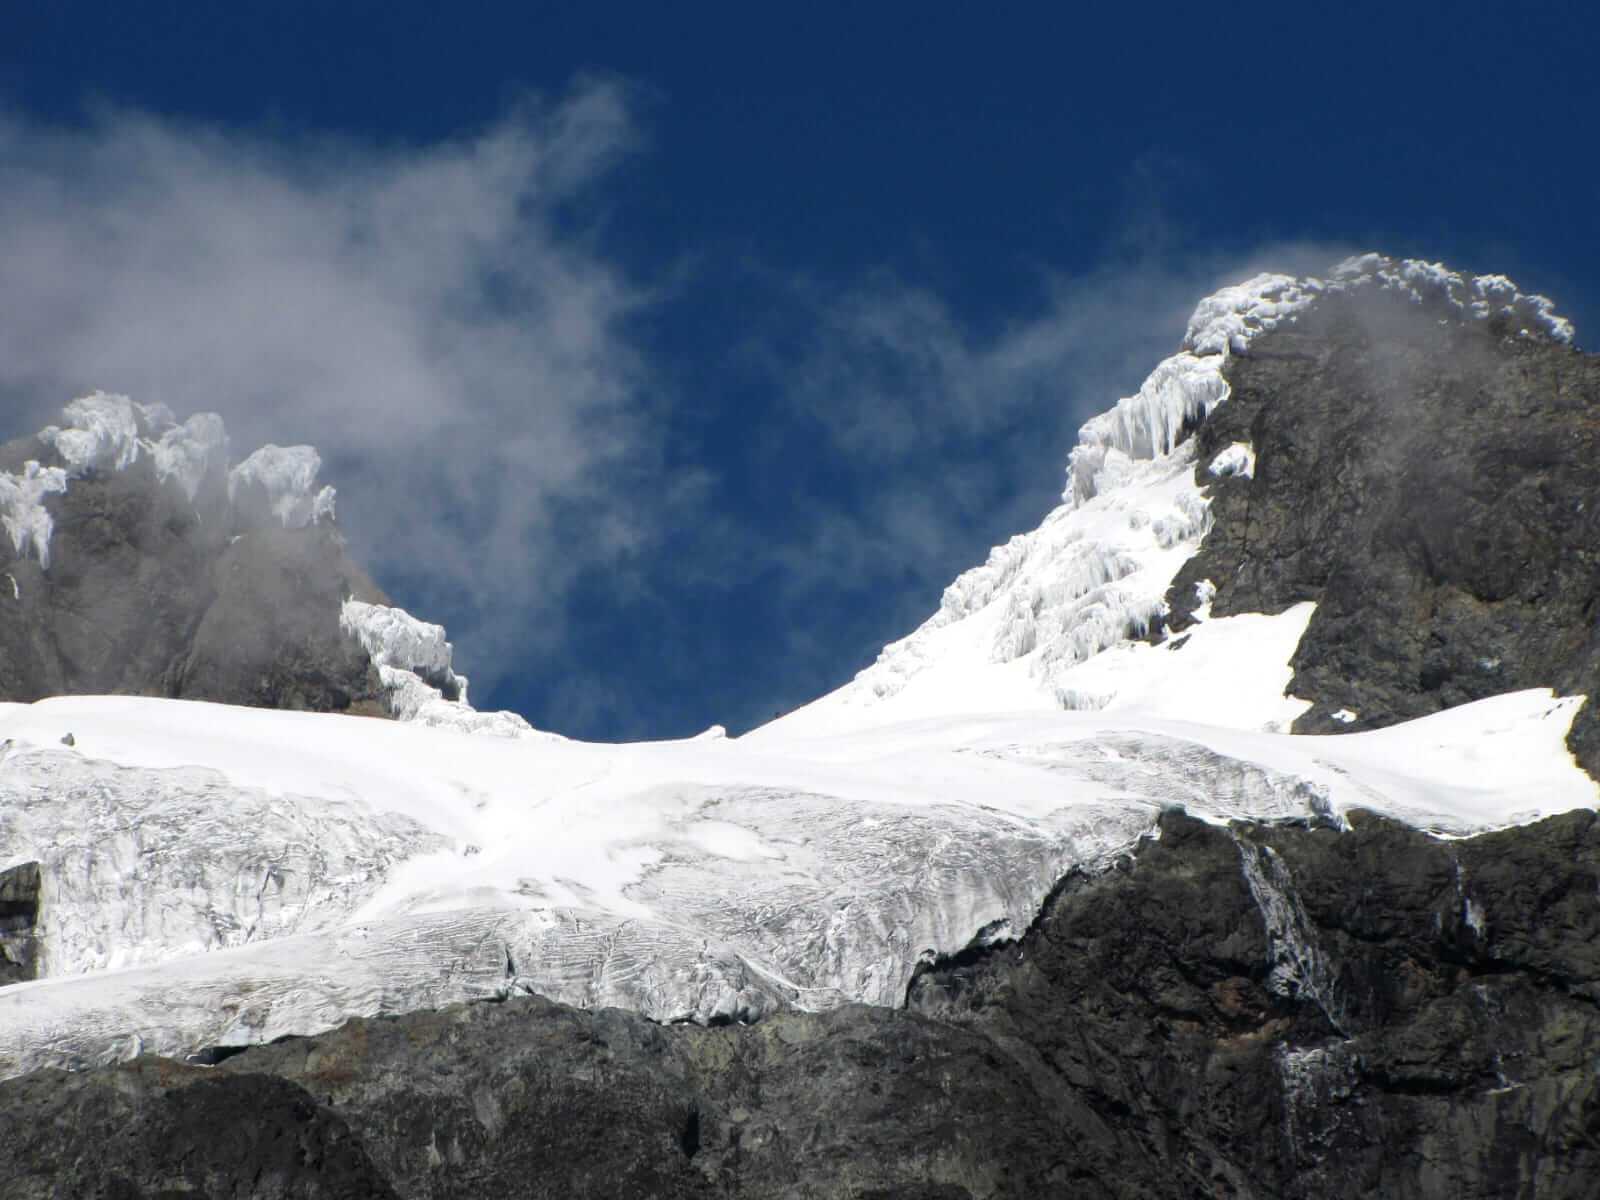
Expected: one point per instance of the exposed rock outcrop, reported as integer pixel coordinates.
(139, 575)
(1431, 484)
(1262, 1011)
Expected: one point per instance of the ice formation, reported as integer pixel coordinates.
(22, 509)
(193, 454)
(218, 876)
(1024, 629)
(414, 664)
(1481, 297)
(108, 432)
(103, 434)
(279, 484)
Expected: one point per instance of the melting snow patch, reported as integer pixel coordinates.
(1345, 716)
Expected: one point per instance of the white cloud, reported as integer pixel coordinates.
(434, 319)
(439, 322)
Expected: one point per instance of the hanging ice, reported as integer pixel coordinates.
(22, 509)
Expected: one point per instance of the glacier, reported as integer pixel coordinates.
(214, 876)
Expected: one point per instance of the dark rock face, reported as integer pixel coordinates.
(19, 917)
(1267, 1011)
(148, 593)
(1432, 486)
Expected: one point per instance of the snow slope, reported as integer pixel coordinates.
(216, 875)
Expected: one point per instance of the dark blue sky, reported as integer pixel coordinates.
(884, 261)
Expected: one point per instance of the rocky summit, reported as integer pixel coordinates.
(140, 564)
(1232, 834)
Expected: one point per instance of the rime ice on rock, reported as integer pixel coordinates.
(1095, 574)
(275, 485)
(392, 637)
(193, 453)
(22, 509)
(102, 434)
(413, 661)
(1481, 297)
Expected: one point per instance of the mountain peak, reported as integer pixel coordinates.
(1070, 615)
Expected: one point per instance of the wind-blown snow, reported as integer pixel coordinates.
(279, 484)
(1026, 629)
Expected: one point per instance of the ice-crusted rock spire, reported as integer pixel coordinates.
(1020, 631)
(278, 485)
(1182, 390)
(22, 509)
(105, 431)
(413, 660)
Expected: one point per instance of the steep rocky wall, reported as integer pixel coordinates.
(1266, 1011)
(1432, 485)
(150, 593)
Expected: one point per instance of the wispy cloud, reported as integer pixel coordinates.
(707, 539)
(928, 438)
(434, 319)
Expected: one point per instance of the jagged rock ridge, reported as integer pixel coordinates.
(141, 562)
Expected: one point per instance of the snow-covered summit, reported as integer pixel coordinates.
(275, 487)
(1056, 617)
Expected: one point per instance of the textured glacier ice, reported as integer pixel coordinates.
(220, 875)
(142, 865)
